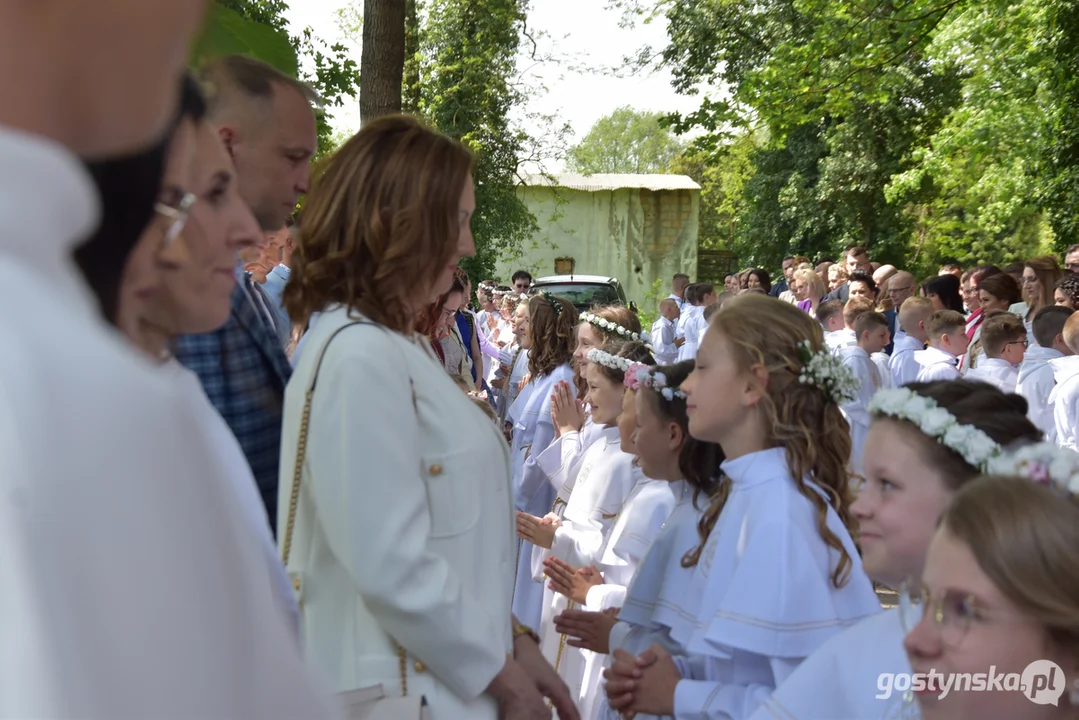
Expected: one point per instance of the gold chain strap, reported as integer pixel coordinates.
(294, 496)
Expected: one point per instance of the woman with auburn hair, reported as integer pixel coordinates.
(1040, 277)
(394, 502)
(1001, 591)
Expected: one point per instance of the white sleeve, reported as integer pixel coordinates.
(701, 696)
(559, 459)
(533, 477)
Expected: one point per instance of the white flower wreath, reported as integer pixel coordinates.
(977, 448)
(639, 375)
(1044, 463)
(824, 370)
(607, 360)
(612, 327)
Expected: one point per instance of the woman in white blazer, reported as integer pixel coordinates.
(401, 544)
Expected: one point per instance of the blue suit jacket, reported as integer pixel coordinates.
(891, 315)
(244, 370)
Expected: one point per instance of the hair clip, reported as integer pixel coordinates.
(824, 370)
(639, 375)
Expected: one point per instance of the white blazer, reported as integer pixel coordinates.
(404, 530)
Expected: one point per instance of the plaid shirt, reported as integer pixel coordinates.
(243, 369)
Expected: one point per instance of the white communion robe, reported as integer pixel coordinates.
(857, 411)
(840, 680)
(533, 431)
(604, 480)
(689, 327)
(1065, 401)
(647, 508)
(132, 586)
(653, 598)
(997, 372)
(1036, 383)
(761, 599)
(904, 367)
(936, 364)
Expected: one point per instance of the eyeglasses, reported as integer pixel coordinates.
(899, 290)
(1024, 343)
(177, 216)
(952, 613)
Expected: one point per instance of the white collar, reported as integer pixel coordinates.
(49, 205)
(760, 465)
(936, 355)
(996, 363)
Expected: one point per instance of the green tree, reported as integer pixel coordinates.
(469, 89)
(626, 141)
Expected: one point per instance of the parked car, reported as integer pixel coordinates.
(584, 291)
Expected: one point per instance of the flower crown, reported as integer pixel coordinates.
(605, 359)
(639, 375)
(553, 302)
(1043, 463)
(824, 370)
(973, 445)
(612, 327)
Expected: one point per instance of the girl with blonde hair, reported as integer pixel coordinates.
(776, 572)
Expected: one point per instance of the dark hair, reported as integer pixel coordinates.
(551, 325)
(1001, 286)
(714, 308)
(704, 289)
(698, 460)
(869, 320)
(1000, 415)
(129, 187)
(945, 287)
(380, 221)
(691, 294)
(681, 276)
(981, 272)
(1016, 268)
(1069, 285)
(856, 251)
(1049, 322)
(521, 274)
(762, 276)
(863, 277)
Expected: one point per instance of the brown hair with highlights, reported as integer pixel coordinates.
(551, 325)
(766, 332)
(381, 220)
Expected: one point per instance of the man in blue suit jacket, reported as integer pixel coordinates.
(266, 122)
(243, 369)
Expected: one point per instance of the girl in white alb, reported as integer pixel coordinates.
(667, 455)
(776, 572)
(913, 465)
(593, 499)
(550, 333)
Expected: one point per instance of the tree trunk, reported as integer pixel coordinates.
(411, 90)
(383, 57)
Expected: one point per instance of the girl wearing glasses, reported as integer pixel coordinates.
(1001, 590)
(912, 466)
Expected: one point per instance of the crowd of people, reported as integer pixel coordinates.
(262, 463)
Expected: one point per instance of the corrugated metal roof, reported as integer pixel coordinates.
(595, 183)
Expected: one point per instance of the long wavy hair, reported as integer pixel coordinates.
(767, 332)
(551, 323)
(381, 220)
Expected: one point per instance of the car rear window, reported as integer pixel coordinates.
(584, 294)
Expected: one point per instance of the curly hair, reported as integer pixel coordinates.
(767, 332)
(381, 220)
(552, 321)
(1069, 285)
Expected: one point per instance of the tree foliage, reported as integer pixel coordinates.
(626, 141)
(468, 90)
(925, 129)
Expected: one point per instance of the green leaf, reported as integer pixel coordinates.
(229, 33)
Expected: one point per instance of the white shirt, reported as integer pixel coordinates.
(1065, 401)
(904, 366)
(689, 327)
(936, 365)
(132, 586)
(857, 411)
(840, 339)
(1036, 382)
(663, 335)
(995, 371)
